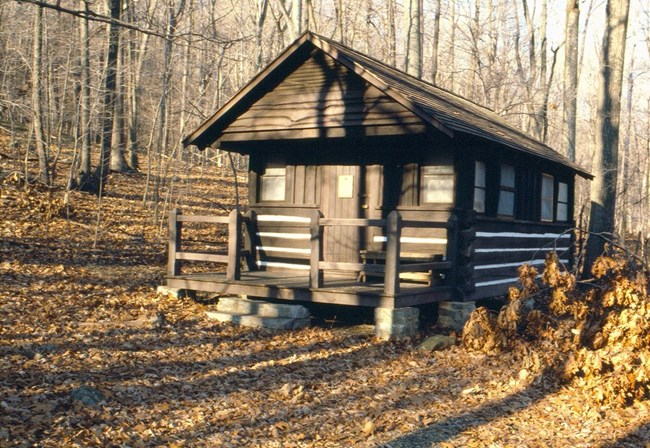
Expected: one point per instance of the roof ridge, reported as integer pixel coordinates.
(502, 121)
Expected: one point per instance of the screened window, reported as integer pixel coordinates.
(479, 187)
(547, 197)
(562, 211)
(507, 192)
(273, 184)
(437, 184)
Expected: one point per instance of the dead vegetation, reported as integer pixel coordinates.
(90, 355)
(594, 335)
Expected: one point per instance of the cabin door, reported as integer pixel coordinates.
(340, 198)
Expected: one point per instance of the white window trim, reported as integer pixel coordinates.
(541, 206)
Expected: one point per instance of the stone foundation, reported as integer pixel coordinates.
(453, 315)
(396, 323)
(177, 293)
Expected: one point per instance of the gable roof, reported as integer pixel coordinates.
(437, 107)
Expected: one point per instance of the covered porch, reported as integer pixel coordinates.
(387, 283)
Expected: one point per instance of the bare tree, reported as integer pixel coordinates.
(37, 100)
(413, 31)
(108, 107)
(436, 43)
(83, 170)
(571, 34)
(605, 169)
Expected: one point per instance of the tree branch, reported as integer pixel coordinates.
(96, 17)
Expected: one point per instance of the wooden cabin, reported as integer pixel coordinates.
(371, 187)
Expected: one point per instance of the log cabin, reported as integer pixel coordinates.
(370, 187)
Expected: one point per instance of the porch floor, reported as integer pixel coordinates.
(336, 289)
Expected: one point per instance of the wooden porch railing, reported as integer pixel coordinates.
(242, 244)
(232, 258)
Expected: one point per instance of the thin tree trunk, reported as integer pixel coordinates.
(605, 168)
(136, 60)
(571, 34)
(261, 18)
(625, 160)
(83, 172)
(103, 168)
(37, 106)
(413, 27)
(435, 43)
(296, 17)
(118, 149)
(452, 48)
(340, 21)
(392, 35)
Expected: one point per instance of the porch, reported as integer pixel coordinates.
(241, 269)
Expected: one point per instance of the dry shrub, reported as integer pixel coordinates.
(34, 202)
(596, 337)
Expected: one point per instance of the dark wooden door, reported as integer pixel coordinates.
(340, 198)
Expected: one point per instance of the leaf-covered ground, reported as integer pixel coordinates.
(90, 355)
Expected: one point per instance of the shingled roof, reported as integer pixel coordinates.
(439, 108)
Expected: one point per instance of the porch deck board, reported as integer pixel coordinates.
(336, 289)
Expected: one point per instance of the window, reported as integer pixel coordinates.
(437, 184)
(507, 192)
(562, 211)
(273, 184)
(479, 187)
(547, 197)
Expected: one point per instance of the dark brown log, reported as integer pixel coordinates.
(316, 246)
(233, 271)
(393, 232)
(175, 228)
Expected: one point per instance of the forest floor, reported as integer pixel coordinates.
(87, 359)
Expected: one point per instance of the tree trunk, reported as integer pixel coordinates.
(435, 44)
(571, 34)
(261, 18)
(37, 100)
(136, 61)
(413, 27)
(83, 172)
(118, 149)
(340, 21)
(605, 169)
(103, 168)
(296, 17)
(392, 35)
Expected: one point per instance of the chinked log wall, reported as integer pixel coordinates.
(242, 244)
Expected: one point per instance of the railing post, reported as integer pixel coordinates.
(452, 250)
(175, 228)
(250, 239)
(393, 233)
(233, 272)
(316, 250)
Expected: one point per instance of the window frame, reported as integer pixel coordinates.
(547, 198)
(272, 173)
(437, 172)
(562, 201)
(507, 189)
(482, 188)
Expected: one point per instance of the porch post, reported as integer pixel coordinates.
(393, 233)
(175, 228)
(233, 271)
(315, 253)
(452, 250)
(250, 240)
